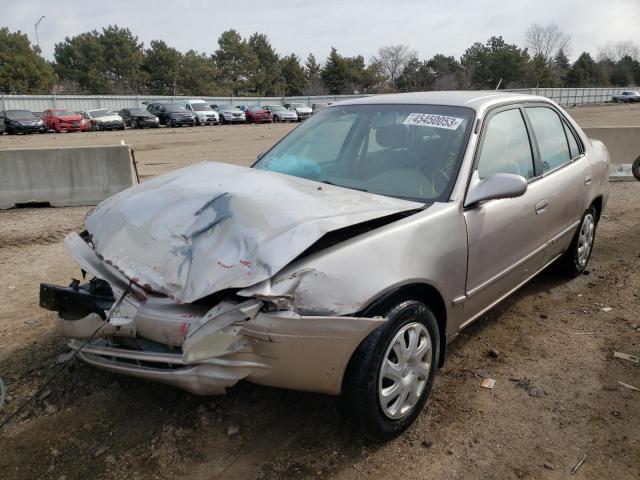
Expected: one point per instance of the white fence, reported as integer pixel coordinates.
(38, 103)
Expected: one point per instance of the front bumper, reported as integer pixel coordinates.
(20, 128)
(205, 350)
(110, 125)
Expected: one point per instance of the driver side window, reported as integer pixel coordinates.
(506, 147)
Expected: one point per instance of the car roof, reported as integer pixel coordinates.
(476, 99)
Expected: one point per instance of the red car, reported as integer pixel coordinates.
(256, 114)
(61, 120)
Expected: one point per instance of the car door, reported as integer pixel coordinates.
(566, 175)
(506, 237)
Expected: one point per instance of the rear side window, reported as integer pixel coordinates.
(550, 133)
(506, 147)
(574, 150)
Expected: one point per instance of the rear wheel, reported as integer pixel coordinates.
(390, 375)
(635, 168)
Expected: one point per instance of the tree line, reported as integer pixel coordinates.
(114, 61)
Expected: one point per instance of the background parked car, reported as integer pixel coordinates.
(281, 114)
(20, 121)
(257, 114)
(303, 111)
(103, 119)
(205, 115)
(61, 120)
(628, 96)
(230, 114)
(138, 118)
(172, 114)
(316, 107)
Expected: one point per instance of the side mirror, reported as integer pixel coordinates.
(498, 185)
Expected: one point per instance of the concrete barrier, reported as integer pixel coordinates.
(623, 144)
(71, 176)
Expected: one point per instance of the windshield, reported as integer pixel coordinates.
(200, 107)
(172, 107)
(64, 113)
(298, 105)
(139, 112)
(100, 113)
(254, 108)
(227, 107)
(276, 108)
(404, 151)
(20, 115)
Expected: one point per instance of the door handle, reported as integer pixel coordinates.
(587, 180)
(541, 207)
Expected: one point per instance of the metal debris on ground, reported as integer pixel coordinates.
(626, 356)
(630, 387)
(579, 464)
(488, 383)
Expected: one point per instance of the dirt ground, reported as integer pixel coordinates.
(556, 396)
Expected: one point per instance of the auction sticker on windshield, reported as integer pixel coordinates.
(431, 120)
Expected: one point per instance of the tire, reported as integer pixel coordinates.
(574, 261)
(275, 119)
(364, 383)
(635, 168)
(134, 123)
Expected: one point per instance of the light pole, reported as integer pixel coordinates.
(36, 27)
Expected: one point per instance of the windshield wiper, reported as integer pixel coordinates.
(328, 182)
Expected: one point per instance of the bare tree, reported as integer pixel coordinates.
(616, 51)
(392, 59)
(546, 40)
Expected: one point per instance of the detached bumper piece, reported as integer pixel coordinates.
(77, 301)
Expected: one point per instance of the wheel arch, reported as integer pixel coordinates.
(423, 292)
(597, 204)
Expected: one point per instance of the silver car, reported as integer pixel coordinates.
(231, 114)
(281, 114)
(346, 259)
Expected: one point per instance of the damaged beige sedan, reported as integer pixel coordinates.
(345, 259)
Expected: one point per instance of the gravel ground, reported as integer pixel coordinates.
(550, 348)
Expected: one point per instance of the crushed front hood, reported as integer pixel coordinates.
(214, 226)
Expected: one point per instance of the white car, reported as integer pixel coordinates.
(205, 115)
(281, 113)
(230, 114)
(303, 111)
(103, 119)
(627, 96)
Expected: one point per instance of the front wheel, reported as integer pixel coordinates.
(276, 119)
(635, 168)
(574, 261)
(390, 375)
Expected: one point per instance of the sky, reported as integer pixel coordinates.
(314, 26)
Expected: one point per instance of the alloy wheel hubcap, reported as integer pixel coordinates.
(404, 371)
(585, 239)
